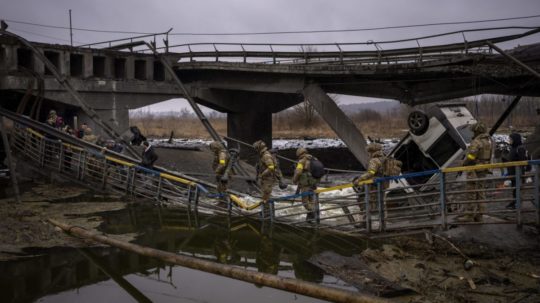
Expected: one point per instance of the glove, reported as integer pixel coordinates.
(282, 185)
(529, 180)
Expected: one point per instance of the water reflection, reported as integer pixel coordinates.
(104, 273)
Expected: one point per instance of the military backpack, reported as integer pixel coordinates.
(391, 166)
(316, 168)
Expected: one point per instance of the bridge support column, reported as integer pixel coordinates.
(250, 127)
(338, 121)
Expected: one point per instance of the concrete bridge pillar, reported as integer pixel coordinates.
(249, 127)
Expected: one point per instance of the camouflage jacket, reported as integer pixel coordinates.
(302, 171)
(374, 168)
(267, 165)
(479, 151)
(221, 159)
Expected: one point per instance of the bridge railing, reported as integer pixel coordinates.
(380, 205)
(411, 50)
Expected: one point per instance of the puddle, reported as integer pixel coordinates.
(112, 275)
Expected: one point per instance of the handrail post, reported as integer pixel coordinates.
(42, 152)
(518, 196)
(61, 155)
(536, 192)
(340, 53)
(78, 170)
(196, 198)
(189, 196)
(317, 208)
(83, 165)
(442, 191)
(128, 179)
(367, 207)
(272, 210)
(104, 172)
(229, 205)
(380, 194)
(158, 193)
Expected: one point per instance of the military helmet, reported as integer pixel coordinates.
(300, 151)
(215, 146)
(373, 147)
(479, 128)
(88, 131)
(259, 145)
(52, 112)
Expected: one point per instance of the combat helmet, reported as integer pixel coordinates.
(373, 147)
(259, 145)
(215, 146)
(479, 128)
(300, 151)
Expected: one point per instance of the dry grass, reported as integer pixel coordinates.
(191, 127)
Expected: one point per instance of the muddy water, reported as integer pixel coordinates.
(104, 274)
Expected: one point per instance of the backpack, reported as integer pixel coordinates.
(391, 166)
(316, 168)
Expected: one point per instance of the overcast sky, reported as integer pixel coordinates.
(233, 16)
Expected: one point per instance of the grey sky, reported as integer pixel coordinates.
(203, 16)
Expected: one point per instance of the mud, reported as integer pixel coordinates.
(436, 272)
(24, 225)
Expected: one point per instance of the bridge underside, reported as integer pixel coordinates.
(251, 92)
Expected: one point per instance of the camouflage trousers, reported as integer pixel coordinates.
(266, 188)
(309, 200)
(221, 186)
(475, 192)
(373, 196)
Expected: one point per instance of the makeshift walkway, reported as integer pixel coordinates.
(339, 208)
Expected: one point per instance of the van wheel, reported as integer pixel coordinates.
(418, 122)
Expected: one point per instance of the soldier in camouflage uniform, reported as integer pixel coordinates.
(479, 152)
(267, 170)
(305, 181)
(221, 160)
(374, 170)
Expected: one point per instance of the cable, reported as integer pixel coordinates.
(353, 29)
(44, 36)
(281, 32)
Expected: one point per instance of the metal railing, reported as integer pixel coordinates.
(370, 52)
(377, 205)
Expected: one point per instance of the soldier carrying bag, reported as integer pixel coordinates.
(391, 166)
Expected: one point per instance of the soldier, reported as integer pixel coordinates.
(479, 152)
(51, 118)
(221, 160)
(374, 170)
(279, 174)
(267, 170)
(305, 181)
(89, 136)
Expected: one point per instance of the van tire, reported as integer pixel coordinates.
(418, 122)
